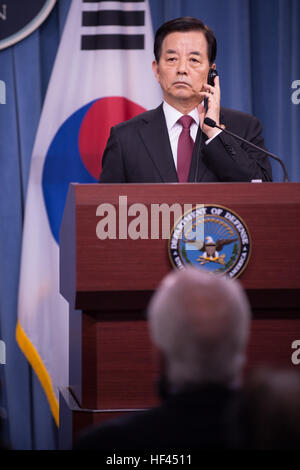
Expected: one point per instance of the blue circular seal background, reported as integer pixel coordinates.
(213, 238)
(21, 18)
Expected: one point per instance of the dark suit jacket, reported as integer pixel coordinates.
(203, 418)
(139, 151)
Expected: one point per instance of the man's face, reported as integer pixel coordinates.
(183, 67)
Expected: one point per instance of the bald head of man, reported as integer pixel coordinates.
(200, 324)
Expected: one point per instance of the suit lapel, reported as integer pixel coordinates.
(198, 155)
(154, 134)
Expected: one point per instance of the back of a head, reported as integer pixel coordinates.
(271, 409)
(200, 323)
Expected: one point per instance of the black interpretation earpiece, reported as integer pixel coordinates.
(212, 73)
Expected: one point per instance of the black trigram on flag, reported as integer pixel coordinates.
(126, 17)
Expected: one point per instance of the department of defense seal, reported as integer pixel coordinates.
(213, 238)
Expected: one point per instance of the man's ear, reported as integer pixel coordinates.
(155, 70)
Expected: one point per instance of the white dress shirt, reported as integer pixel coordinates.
(174, 128)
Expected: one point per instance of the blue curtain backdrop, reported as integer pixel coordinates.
(258, 60)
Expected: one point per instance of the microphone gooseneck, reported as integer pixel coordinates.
(198, 154)
(211, 123)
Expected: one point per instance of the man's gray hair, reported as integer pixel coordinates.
(200, 322)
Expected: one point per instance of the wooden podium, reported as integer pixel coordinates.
(108, 283)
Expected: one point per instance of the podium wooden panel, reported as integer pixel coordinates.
(113, 367)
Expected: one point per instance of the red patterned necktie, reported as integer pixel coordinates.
(184, 149)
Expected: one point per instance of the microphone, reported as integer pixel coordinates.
(198, 153)
(211, 123)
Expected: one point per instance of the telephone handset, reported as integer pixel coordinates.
(212, 73)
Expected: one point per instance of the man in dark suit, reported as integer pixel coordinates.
(200, 324)
(159, 146)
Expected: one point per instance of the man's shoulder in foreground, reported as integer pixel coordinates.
(194, 419)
